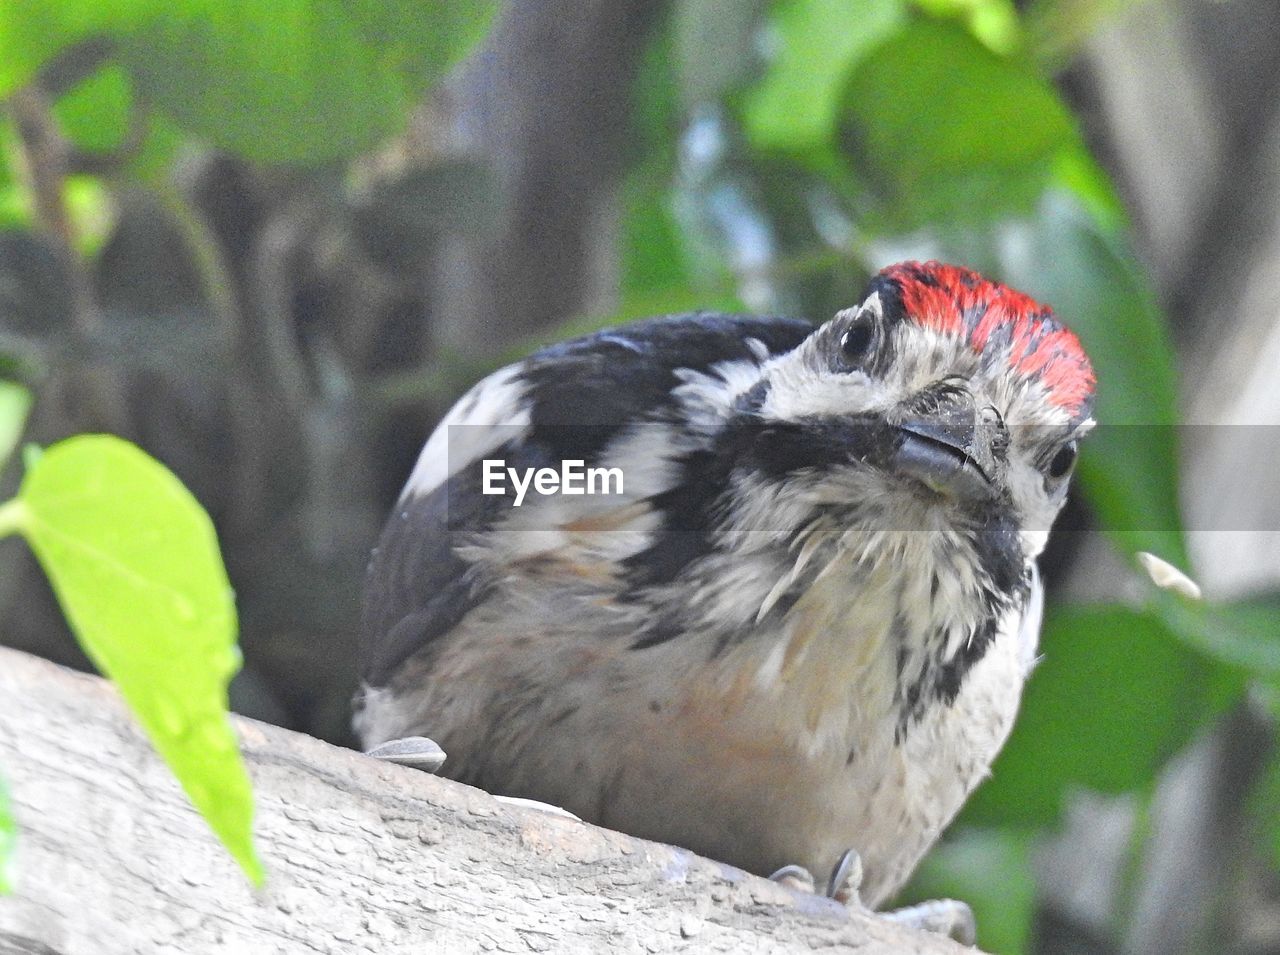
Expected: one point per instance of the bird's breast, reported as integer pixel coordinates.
(780, 748)
(789, 749)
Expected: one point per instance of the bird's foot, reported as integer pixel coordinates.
(416, 752)
(845, 882)
(842, 885)
(534, 804)
(795, 877)
(942, 917)
(948, 917)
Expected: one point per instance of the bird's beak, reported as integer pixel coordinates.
(951, 450)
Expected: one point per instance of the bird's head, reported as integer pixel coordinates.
(942, 400)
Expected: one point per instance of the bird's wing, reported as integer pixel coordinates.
(579, 400)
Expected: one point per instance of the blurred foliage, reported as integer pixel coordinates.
(990, 869)
(1114, 698)
(990, 153)
(300, 81)
(1265, 799)
(134, 561)
(783, 151)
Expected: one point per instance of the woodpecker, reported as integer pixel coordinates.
(800, 626)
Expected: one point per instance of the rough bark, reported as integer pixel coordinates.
(361, 856)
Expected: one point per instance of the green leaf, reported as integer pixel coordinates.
(95, 114)
(994, 22)
(155, 155)
(1264, 808)
(1115, 695)
(1129, 465)
(298, 81)
(1076, 171)
(420, 40)
(655, 260)
(651, 252)
(275, 80)
(15, 403)
(8, 837)
(15, 207)
(947, 129)
(1242, 633)
(819, 43)
(34, 31)
(135, 564)
(990, 869)
(91, 210)
(656, 119)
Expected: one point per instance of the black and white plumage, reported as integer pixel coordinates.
(805, 624)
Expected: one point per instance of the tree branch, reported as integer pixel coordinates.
(546, 101)
(361, 855)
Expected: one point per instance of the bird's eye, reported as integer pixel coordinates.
(856, 342)
(1063, 461)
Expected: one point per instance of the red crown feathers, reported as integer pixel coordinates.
(958, 301)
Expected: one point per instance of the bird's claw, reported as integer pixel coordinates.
(941, 917)
(417, 752)
(535, 804)
(794, 877)
(947, 917)
(842, 885)
(845, 882)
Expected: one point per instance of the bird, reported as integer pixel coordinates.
(788, 623)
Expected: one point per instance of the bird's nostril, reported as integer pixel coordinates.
(947, 405)
(993, 432)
